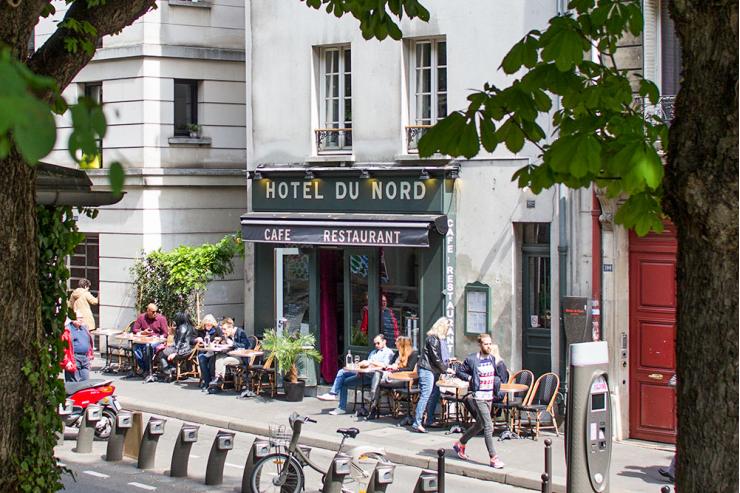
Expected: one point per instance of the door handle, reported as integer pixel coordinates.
(656, 376)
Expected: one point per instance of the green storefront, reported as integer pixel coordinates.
(347, 253)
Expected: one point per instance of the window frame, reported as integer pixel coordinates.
(193, 117)
(417, 124)
(344, 139)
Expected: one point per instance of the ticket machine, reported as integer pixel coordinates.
(588, 433)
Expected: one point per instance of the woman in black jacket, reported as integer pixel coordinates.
(431, 366)
(180, 348)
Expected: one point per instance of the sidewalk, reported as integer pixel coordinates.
(634, 464)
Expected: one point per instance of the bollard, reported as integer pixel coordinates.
(223, 442)
(86, 435)
(121, 425)
(260, 448)
(548, 466)
(427, 482)
(338, 470)
(545, 483)
(381, 477)
(441, 470)
(154, 430)
(132, 443)
(181, 452)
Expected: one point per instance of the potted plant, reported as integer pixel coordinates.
(194, 130)
(286, 350)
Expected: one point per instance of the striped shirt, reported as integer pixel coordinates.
(487, 375)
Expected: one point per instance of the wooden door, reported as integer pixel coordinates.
(652, 336)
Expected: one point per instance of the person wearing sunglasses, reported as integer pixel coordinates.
(379, 358)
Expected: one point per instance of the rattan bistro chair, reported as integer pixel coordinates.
(513, 403)
(121, 349)
(262, 372)
(541, 400)
(188, 367)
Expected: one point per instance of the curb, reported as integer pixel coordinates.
(512, 476)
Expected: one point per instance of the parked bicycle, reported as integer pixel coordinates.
(282, 471)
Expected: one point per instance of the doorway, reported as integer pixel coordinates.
(536, 292)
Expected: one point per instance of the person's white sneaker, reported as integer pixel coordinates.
(337, 411)
(327, 397)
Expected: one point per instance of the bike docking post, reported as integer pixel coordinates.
(64, 410)
(132, 443)
(338, 470)
(181, 452)
(260, 448)
(154, 430)
(121, 425)
(223, 442)
(85, 437)
(381, 477)
(427, 482)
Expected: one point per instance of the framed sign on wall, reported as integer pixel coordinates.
(476, 308)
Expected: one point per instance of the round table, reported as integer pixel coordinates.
(511, 389)
(245, 353)
(408, 377)
(459, 386)
(106, 333)
(146, 341)
(367, 370)
(215, 348)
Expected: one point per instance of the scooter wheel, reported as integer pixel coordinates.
(104, 427)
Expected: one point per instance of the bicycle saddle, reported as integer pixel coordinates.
(349, 432)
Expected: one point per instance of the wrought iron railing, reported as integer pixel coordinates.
(663, 109)
(333, 139)
(413, 134)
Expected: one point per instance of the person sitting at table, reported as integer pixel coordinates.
(181, 347)
(379, 358)
(209, 333)
(235, 338)
(404, 360)
(150, 323)
(481, 371)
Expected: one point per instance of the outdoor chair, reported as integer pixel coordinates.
(120, 349)
(262, 372)
(540, 404)
(512, 403)
(188, 367)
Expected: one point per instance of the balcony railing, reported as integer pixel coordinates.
(413, 134)
(333, 139)
(664, 108)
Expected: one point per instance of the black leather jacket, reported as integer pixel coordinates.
(431, 357)
(184, 339)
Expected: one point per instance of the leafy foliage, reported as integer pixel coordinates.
(603, 135)
(287, 349)
(175, 279)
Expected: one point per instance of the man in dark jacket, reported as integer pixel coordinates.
(484, 377)
(237, 339)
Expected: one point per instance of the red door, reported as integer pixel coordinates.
(653, 336)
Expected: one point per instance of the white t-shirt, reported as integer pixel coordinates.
(487, 375)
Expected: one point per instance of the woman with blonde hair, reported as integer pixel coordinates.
(209, 333)
(431, 365)
(404, 360)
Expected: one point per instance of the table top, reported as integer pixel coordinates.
(244, 353)
(357, 369)
(514, 387)
(453, 383)
(105, 332)
(403, 376)
(215, 348)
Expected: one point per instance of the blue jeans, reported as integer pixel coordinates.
(428, 397)
(205, 371)
(344, 380)
(144, 355)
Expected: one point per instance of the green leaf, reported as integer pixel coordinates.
(563, 45)
(469, 145)
(36, 132)
(116, 177)
(515, 58)
(488, 134)
(649, 89)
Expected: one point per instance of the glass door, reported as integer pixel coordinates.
(536, 294)
(292, 288)
(360, 299)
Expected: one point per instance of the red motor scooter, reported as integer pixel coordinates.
(82, 394)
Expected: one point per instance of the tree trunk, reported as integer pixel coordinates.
(702, 199)
(20, 316)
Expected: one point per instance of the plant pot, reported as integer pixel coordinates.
(194, 135)
(294, 391)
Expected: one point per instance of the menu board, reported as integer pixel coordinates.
(476, 314)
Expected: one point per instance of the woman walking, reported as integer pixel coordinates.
(431, 365)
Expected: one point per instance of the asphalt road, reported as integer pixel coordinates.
(93, 474)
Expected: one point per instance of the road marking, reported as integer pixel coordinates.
(234, 465)
(144, 486)
(96, 474)
(194, 456)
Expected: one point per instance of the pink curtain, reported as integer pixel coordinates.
(328, 313)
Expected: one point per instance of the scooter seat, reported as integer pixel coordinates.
(73, 387)
(349, 432)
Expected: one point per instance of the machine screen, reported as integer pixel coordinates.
(598, 402)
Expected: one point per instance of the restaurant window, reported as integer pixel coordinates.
(292, 275)
(84, 263)
(186, 106)
(335, 124)
(398, 272)
(428, 83)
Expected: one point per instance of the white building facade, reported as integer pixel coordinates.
(179, 69)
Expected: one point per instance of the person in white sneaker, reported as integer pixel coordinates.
(481, 372)
(379, 358)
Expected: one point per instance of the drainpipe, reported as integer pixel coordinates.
(596, 255)
(563, 271)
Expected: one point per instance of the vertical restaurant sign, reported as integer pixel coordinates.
(384, 194)
(449, 290)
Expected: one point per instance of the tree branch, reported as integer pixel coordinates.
(17, 23)
(55, 61)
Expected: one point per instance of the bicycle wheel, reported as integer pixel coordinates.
(267, 475)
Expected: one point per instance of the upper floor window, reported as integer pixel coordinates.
(428, 83)
(186, 107)
(94, 91)
(335, 125)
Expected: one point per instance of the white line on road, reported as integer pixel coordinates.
(144, 486)
(194, 456)
(96, 474)
(234, 465)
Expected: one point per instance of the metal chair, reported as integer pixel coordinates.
(120, 349)
(513, 403)
(541, 399)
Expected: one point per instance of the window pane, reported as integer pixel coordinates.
(441, 53)
(423, 55)
(347, 85)
(441, 80)
(348, 113)
(295, 292)
(359, 267)
(538, 269)
(347, 60)
(185, 106)
(398, 273)
(441, 106)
